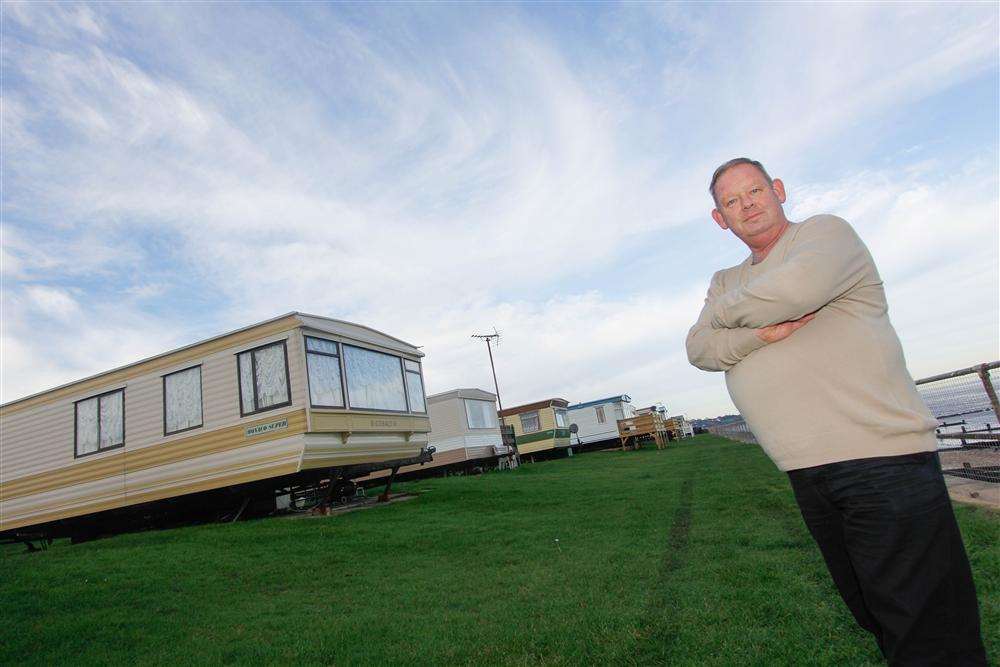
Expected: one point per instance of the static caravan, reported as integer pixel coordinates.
(295, 398)
(464, 426)
(539, 426)
(597, 421)
(464, 429)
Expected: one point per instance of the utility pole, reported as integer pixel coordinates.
(495, 338)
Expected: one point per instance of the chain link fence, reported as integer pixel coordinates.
(965, 404)
(736, 430)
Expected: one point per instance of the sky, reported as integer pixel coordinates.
(171, 172)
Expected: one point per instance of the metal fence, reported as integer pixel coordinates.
(966, 407)
(965, 404)
(736, 430)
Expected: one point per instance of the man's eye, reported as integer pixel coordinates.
(730, 202)
(755, 190)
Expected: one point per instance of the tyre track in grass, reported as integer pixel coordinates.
(657, 631)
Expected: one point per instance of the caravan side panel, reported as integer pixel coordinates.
(448, 426)
(39, 472)
(42, 480)
(538, 441)
(592, 430)
(220, 453)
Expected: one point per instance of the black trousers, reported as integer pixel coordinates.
(892, 545)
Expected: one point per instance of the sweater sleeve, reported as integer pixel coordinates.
(825, 261)
(714, 349)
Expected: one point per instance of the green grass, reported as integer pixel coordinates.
(691, 555)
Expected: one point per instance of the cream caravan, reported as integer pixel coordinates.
(464, 426)
(295, 398)
(465, 432)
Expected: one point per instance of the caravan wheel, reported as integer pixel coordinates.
(344, 492)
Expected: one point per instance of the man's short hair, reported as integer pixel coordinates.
(726, 166)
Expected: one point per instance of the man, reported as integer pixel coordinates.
(816, 369)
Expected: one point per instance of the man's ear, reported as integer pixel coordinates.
(779, 189)
(719, 220)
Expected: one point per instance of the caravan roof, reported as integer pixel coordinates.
(623, 398)
(549, 402)
(465, 392)
(314, 322)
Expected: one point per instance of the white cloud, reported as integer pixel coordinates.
(49, 338)
(433, 186)
(914, 220)
(934, 237)
(54, 21)
(54, 303)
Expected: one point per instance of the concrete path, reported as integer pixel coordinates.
(972, 492)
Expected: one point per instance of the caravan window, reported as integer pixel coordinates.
(414, 386)
(529, 422)
(325, 386)
(560, 418)
(600, 414)
(263, 374)
(182, 400)
(374, 380)
(481, 414)
(99, 423)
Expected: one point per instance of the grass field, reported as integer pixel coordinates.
(691, 555)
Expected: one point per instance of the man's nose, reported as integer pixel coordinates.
(747, 202)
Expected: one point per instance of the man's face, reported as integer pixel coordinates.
(749, 206)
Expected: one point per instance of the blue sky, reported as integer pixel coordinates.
(174, 171)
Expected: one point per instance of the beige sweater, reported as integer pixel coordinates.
(836, 389)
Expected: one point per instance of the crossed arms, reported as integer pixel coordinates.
(824, 262)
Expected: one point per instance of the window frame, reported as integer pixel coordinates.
(555, 417)
(538, 419)
(201, 397)
(601, 417)
(340, 363)
(406, 387)
(493, 404)
(253, 369)
(402, 373)
(99, 450)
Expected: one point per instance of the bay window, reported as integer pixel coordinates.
(414, 386)
(374, 380)
(325, 385)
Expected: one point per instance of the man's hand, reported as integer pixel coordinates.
(782, 330)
